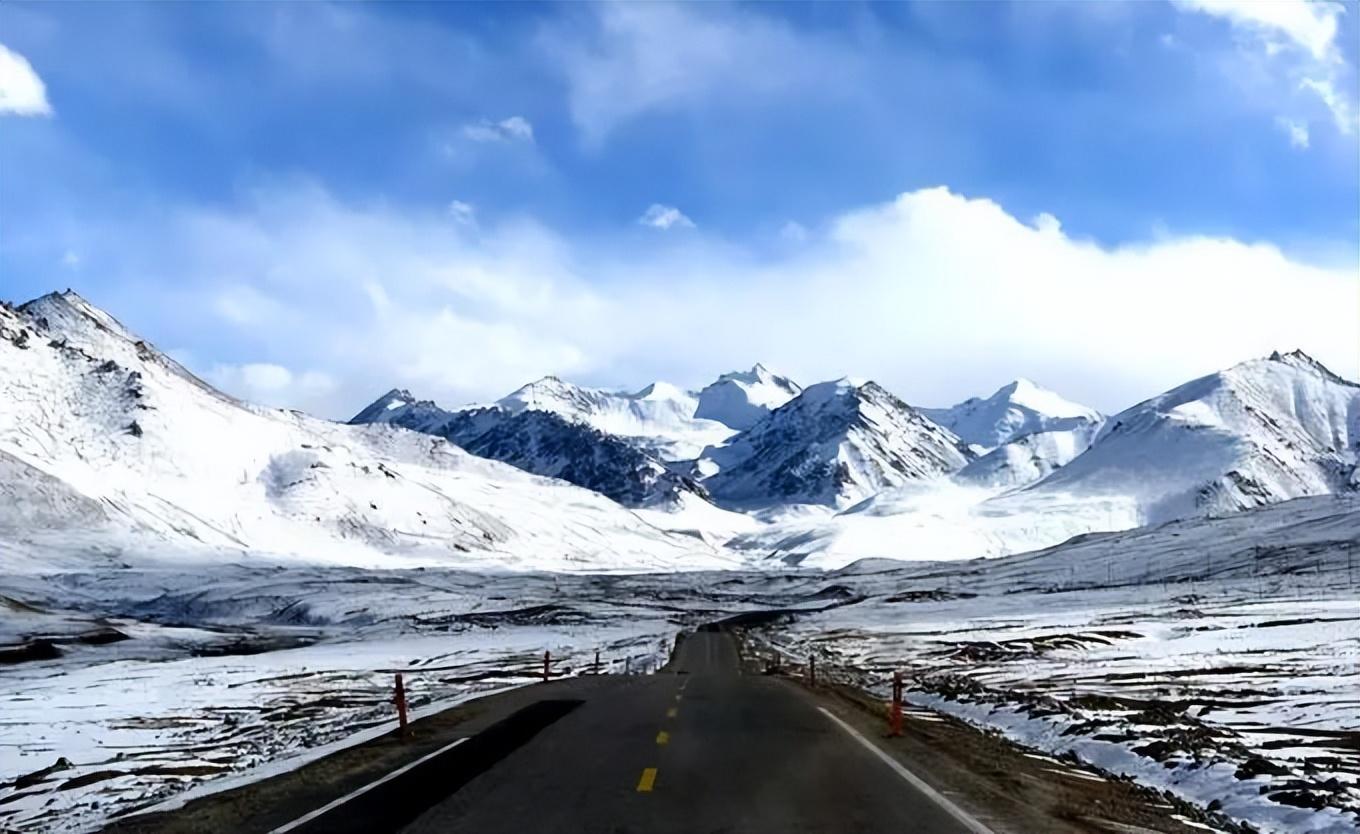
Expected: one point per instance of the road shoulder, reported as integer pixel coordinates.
(1009, 789)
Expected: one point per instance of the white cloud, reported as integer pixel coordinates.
(665, 217)
(935, 295)
(1047, 224)
(637, 58)
(22, 92)
(1341, 110)
(1311, 24)
(464, 213)
(70, 259)
(242, 303)
(270, 384)
(514, 128)
(1296, 131)
(1299, 36)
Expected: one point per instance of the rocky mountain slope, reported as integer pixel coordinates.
(835, 444)
(546, 442)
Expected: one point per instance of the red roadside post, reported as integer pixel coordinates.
(547, 661)
(895, 711)
(400, 699)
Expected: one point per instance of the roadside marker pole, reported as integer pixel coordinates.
(895, 713)
(400, 699)
(628, 665)
(812, 669)
(597, 661)
(547, 660)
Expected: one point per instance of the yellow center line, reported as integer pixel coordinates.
(670, 713)
(663, 737)
(648, 778)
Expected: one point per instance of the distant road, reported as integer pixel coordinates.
(697, 748)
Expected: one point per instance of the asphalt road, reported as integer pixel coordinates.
(696, 748)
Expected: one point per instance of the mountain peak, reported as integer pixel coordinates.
(740, 399)
(662, 391)
(399, 407)
(70, 314)
(1261, 431)
(1298, 359)
(835, 443)
(1017, 408)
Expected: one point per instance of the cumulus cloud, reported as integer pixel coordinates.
(934, 294)
(22, 92)
(665, 217)
(512, 129)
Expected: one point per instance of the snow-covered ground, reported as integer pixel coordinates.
(1219, 660)
(214, 674)
(1226, 648)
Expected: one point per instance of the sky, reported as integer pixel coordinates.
(310, 204)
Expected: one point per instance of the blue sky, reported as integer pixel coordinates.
(312, 203)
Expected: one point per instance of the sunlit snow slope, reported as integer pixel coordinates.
(1016, 409)
(112, 451)
(1257, 433)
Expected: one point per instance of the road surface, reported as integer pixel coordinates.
(699, 747)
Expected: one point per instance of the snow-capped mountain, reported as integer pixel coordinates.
(660, 417)
(620, 444)
(548, 444)
(743, 398)
(1016, 409)
(835, 444)
(110, 451)
(544, 442)
(1257, 433)
(399, 408)
(1029, 457)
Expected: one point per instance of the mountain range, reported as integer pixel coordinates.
(112, 451)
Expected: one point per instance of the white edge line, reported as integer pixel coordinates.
(963, 817)
(306, 818)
